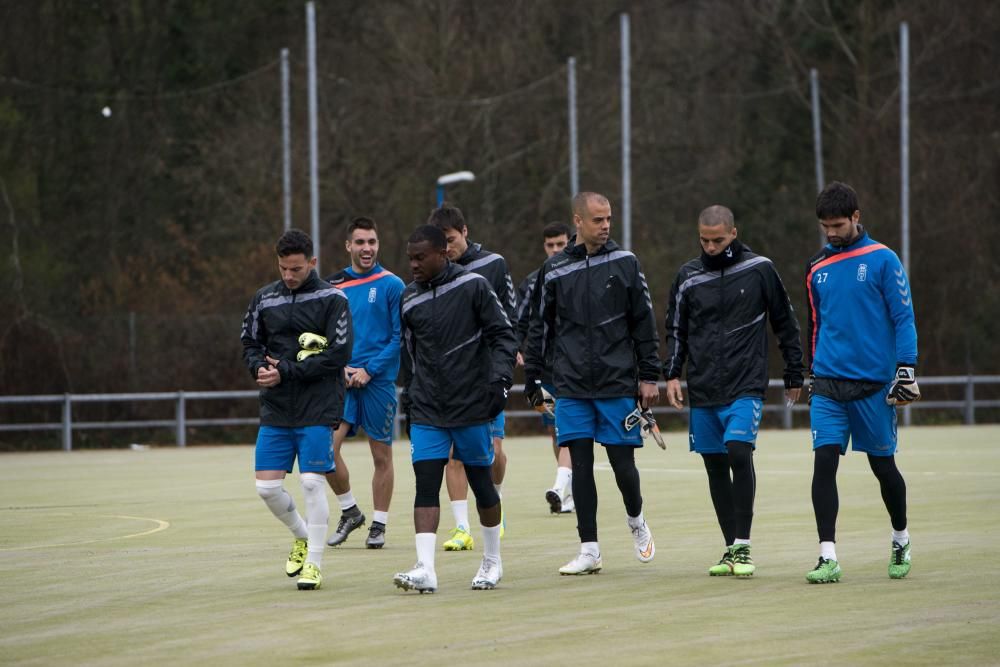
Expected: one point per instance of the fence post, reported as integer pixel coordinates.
(181, 419)
(786, 417)
(970, 401)
(67, 423)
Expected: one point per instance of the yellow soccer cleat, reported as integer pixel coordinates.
(297, 557)
(460, 540)
(311, 578)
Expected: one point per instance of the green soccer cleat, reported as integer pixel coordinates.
(460, 540)
(742, 561)
(311, 578)
(297, 557)
(826, 572)
(899, 560)
(724, 568)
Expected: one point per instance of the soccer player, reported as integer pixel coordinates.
(457, 368)
(493, 267)
(301, 393)
(863, 344)
(717, 319)
(596, 316)
(374, 294)
(555, 236)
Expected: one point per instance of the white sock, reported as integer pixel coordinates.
(498, 487)
(281, 505)
(425, 549)
(491, 542)
(460, 510)
(317, 514)
(827, 551)
(901, 537)
(381, 517)
(739, 540)
(346, 501)
(592, 548)
(563, 479)
(636, 521)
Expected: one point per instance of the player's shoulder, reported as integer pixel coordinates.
(271, 290)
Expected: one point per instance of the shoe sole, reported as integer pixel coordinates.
(578, 574)
(720, 574)
(898, 576)
(745, 575)
(483, 586)
(554, 501)
(448, 547)
(308, 585)
(824, 581)
(408, 585)
(294, 574)
(374, 546)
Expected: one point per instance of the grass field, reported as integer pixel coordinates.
(167, 556)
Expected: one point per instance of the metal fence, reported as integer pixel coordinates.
(967, 406)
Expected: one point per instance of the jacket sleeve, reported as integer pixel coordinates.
(524, 305)
(642, 327)
(254, 337)
(506, 293)
(785, 327)
(339, 333)
(389, 353)
(899, 301)
(405, 353)
(498, 332)
(677, 332)
(541, 322)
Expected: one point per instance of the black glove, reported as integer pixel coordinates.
(404, 409)
(533, 392)
(498, 396)
(904, 389)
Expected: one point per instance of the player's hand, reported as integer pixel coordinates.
(268, 376)
(904, 389)
(792, 395)
(357, 377)
(675, 396)
(533, 392)
(649, 393)
(498, 396)
(519, 360)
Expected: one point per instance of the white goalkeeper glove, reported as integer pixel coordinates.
(904, 389)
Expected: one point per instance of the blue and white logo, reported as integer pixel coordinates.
(862, 272)
(373, 291)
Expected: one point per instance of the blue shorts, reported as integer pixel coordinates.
(547, 419)
(373, 408)
(278, 447)
(497, 426)
(598, 419)
(869, 424)
(711, 428)
(473, 444)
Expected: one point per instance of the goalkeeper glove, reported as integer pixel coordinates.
(533, 392)
(498, 396)
(904, 389)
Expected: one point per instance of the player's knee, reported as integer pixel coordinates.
(481, 483)
(269, 489)
(428, 476)
(622, 459)
(826, 460)
(740, 455)
(313, 483)
(883, 466)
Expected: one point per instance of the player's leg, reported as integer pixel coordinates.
(274, 453)
(576, 425)
(499, 468)
(429, 447)
(458, 494)
(830, 433)
(873, 425)
(742, 421)
(378, 413)
(474, 447)
(706, 437)
(351, 516)
(315, 461)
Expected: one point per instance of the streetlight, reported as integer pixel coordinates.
(448, 179)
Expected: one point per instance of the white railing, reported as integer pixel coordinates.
(180, 423)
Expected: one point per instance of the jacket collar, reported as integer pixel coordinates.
(470, 253)
(310, 284)
(448, 274)
(858, 242)
(580, 251)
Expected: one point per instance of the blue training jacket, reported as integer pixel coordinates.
(374, 299)
(860, 312)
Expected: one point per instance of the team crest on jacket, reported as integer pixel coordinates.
(371, 295)
(862, 272)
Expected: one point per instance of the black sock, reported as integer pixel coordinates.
(622, 459)
(826, 502)
(740, 459)
(893, 488)
(720, 486)
(581, 453)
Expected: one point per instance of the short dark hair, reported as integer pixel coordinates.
(716, 215)
(361, 222)
(447, 217)
(430, 233)
(581, 200)
(294, 242)
(838, 200)
(554, 229)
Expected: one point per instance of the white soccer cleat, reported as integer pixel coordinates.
(488, 576)
(418, 579)
(555, 500)
(644, 547)
(584, 563)
(568, 505)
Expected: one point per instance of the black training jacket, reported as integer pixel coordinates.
(493, 267)
(717, 324)
(311, 391)
(595, 315)
(458, 341)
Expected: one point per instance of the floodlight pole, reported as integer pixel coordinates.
(817, 138)
(904, 161)
(313, 131)
(574, 158)
(286, 140)
(448, 179)
(626, 138)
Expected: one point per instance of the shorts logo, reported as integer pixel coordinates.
(862, 272)
(373, 291)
